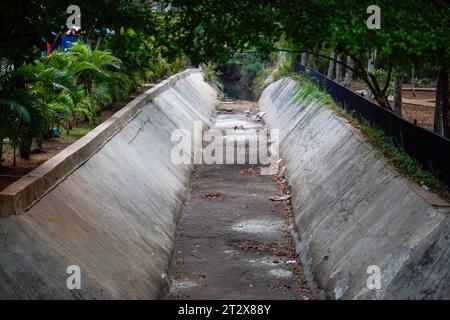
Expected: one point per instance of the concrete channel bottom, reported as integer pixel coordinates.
(233, 241)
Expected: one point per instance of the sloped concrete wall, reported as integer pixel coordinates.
(352, 210)
(115, 215)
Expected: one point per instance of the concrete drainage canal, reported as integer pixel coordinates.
(362, 231)
(235, 236)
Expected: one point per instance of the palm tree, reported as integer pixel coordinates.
(53, 96)
(100, 73)
(13, 110)
(35, 97)
(44, 87)
(79, 103)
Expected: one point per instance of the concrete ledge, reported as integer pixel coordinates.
(17, 197)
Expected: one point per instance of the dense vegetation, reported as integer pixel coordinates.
(118, 50)
(413, 37)
(125, 43)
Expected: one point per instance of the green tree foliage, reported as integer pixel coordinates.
(413, 34)
(38, 96)
(146, 40)
(23, 24)
(14, 113)
(208, 29)
(99, 72)
(66, 86)
(144, 58)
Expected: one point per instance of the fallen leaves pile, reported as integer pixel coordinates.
(259, 247)
(214, 195)
(279, 180)
(251, 171)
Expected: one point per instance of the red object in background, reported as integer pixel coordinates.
(49, 48)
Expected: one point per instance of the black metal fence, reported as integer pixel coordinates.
(430, 150)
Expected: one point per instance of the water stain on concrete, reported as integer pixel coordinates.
(258, 226)
(281, 273)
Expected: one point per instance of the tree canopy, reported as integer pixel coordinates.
(413, 33)
(144, 40)
(24, 24)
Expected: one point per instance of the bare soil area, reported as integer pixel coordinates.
(419, 107)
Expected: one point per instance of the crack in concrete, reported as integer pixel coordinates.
(141, 128)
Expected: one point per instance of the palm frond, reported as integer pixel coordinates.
(12, 105)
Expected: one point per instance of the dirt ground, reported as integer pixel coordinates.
(419, 107)
(423, 114)
(357, 85)
(52, 146)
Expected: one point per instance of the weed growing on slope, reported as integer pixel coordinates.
(210, 75)
(394, 154)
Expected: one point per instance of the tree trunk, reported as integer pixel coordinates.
(68, 126)
(349, 73)
(383, 101)
(413, 81)
(371, 69)
(312, 60)
(371, 62)
(99, 41)
(14, 154)
(304, 59)
(1, 150)
(441, 114)
(39, 143)
(377, 93)
(282, 57)
(331, 65)
(398, 95)
(338, 78)
(25, 147)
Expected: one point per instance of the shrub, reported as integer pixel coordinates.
(210, 75)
